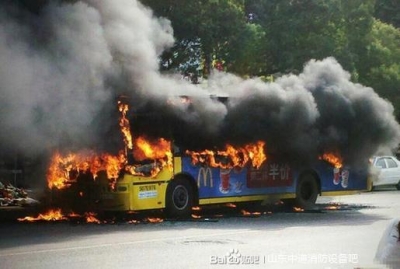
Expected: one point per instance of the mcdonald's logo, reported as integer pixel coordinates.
(206, 175)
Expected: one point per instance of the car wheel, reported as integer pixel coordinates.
(307, 191)
(179, 198)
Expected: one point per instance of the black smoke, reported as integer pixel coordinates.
(64, 64)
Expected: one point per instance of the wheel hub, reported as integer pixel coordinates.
(180, 197)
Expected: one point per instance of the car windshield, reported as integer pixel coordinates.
(380, 163)
(391, 163)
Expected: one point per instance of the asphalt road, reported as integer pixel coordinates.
(342, 232)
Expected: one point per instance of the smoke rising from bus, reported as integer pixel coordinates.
(64, 64)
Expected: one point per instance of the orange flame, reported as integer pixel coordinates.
(247, 213)
(144, 149)
(73, 215)
(158, 150)
(333, 159)
(155, 150)
(231, 156)
(60, 172)
(56, 215)
(124, 124)
(64, 170)
(298, 209)
(154, 220)
(51, 215)
(332, 207)
(91, 218)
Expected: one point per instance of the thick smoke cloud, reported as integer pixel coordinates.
(63, 66)
(52, 75)
(316, 112)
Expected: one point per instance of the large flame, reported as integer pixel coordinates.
(125, 125)
(158, 151)
(332, 158)
(143, 149)
(64, 169)
(231, 156)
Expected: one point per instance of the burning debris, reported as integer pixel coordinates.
(51, 215)
(58, 215)
(91, 218)
(250, 214)
(154, 220)
(332, 207)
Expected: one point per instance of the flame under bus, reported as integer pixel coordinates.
(176, 189)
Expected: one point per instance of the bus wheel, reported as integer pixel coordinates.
(307, 191)
(179, 199)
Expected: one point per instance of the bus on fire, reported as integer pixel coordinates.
(189, 184)
(176, 179)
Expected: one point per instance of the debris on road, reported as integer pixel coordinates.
(12, 196)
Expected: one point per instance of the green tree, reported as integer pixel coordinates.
(210, 29)
(300, 30)
(383, 59)
(388, 11)
(358, 20)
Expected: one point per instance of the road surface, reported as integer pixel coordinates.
(342, 232)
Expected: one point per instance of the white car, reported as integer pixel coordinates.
(385, 171)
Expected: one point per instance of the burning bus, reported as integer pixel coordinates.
(164, 173)
(200, 150)
(229, 176)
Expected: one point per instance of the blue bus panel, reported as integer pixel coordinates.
(270, 178)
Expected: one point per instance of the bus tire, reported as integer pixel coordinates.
(307, 191)
(179, 198)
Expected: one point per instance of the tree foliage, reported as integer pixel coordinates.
(211, 29)
(383, 60)
(260, 38)
(388, 11)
